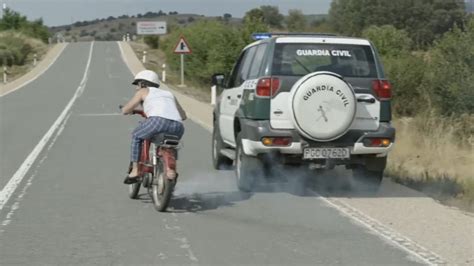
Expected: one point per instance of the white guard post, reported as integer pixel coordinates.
(163, 73)
(4, 74)
(144, 57)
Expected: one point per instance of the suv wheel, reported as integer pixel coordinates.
(218, 160)
(247, 168)
(366, 180)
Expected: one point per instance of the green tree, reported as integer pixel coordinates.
(388, 40)
(12, 20)
(424, 20)
(253, 22)
(272, 16)
(296, 21)
(254, 15)
(451, 78)
(227, 16)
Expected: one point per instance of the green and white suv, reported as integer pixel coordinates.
(304, 99)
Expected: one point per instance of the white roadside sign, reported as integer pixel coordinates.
(151, 27)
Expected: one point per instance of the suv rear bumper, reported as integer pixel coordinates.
(253, 132)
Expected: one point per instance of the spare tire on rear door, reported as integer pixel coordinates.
(323, 106)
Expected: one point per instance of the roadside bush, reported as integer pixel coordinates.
(404, 69)
(406, 72)
(152, 41)
(14, 48)
(12, 20)
(388, 40)
(215, 47)
(451, 72)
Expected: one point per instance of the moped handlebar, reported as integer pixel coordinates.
(136, 112)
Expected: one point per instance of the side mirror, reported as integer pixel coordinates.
(218, 80)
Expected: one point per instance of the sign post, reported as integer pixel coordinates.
(182, 48)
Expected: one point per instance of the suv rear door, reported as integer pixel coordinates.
(293, 58)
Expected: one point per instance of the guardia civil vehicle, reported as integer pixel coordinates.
(312, 100)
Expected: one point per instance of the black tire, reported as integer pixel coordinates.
(219, 161)
(366, 180)
(162, 189)
(247, 169)
(133, 189)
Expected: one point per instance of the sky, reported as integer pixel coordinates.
(61, 12)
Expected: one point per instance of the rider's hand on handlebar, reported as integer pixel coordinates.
(121, 109)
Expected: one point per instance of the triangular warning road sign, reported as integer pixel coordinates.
(182, 47)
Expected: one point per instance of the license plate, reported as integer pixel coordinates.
(326, 153)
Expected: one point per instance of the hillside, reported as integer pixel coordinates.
(112, 29)
(115, 28)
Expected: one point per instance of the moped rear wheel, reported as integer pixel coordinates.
(162, 189)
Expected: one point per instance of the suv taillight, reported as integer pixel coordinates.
(267, 87)
(382, 89)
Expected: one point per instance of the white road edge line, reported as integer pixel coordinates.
(16, 204)
(386, 233)
(16, 179)
(39, 74)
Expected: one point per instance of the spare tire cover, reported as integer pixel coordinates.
(323, 106)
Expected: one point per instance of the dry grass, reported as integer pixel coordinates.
(436, 154)
(38, 46)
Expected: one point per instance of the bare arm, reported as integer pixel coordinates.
(181, 111)
(135, 101)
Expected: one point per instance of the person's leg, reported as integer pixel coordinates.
(143, 131)
(177, 129)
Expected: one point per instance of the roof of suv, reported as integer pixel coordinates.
(312, 38)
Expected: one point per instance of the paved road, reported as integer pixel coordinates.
(71, 207)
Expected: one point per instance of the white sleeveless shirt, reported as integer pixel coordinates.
(161, 103)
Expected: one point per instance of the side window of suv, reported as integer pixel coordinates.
(257, 61)
(231, 80)
(241, 70)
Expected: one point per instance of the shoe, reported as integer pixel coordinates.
(131, 180)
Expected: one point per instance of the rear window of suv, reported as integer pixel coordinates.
(299, 59)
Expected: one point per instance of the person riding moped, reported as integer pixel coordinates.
(164, 115)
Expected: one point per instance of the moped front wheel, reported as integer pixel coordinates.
(134, 188)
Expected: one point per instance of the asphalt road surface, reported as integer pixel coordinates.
(69, 207)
